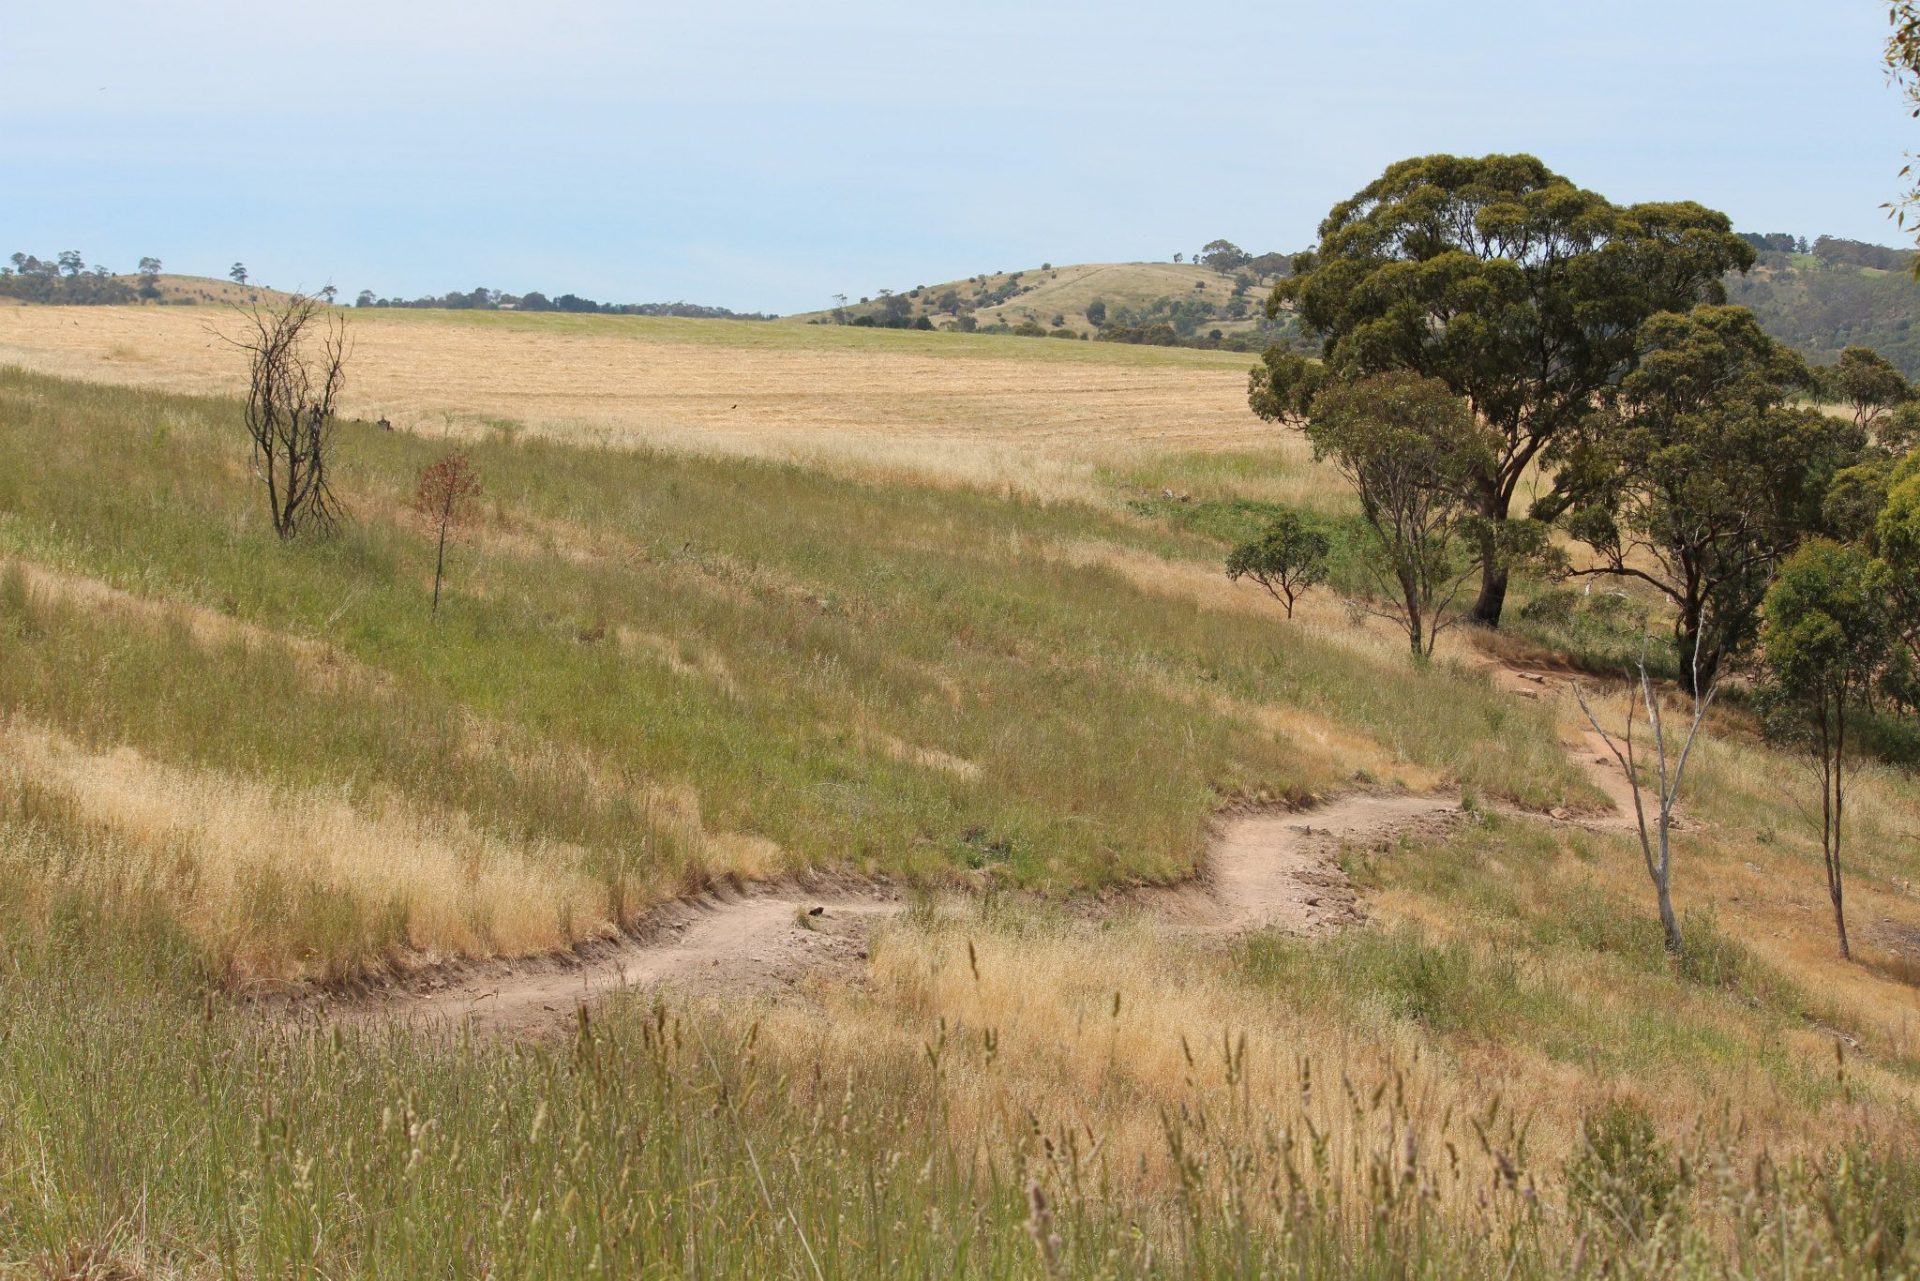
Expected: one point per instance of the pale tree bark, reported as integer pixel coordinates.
(1656, 844)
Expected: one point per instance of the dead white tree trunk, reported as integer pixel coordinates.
(1656, 845)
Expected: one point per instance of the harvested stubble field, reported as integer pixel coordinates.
(998, 411)
(228, 765)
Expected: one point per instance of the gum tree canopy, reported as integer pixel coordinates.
(1521, 292)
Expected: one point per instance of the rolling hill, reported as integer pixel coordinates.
(1190, 297)
(1842, 294)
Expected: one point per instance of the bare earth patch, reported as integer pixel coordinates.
(1265, 870)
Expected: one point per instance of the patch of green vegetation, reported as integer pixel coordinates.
(1600, 630)
(1231, 521)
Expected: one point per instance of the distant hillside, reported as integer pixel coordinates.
(1193, 301)
(1841, 293)
(187, 290)
(1817, 297)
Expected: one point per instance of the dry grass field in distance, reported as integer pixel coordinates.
(996, 411)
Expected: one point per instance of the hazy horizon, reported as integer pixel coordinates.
(763, 157)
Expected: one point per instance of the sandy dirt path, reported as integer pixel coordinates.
(1264, 869)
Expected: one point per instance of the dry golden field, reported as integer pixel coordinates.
(996, 411)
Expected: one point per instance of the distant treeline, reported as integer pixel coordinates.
(66, 278)
(484, 299)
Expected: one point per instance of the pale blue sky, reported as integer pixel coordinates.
(765, 155)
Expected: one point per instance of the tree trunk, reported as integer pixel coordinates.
(1836, 812)
(1492, 601)
(1668, 922)
(1416, 615)
(439, 570)
(1487, 607)
(1688, 649)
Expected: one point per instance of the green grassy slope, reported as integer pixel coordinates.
(806, 656)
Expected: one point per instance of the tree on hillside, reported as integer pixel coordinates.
(1097, 312)
(1656, 843)
(1410, 448)
(894, 308)
(1855, 498)
(1828, 646)
(1286, 559)
(237, 273)
(1521, 292)
(1868, 384)
(1897, 542)
(444, 494)
(291, 392)
(1270, 266)
(1700, 476)
(149, 278)
(71, 263)
(1223, 256)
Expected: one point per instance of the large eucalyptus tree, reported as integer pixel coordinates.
(1521, 292)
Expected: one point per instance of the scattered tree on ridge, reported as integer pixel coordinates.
(291, 391)
(1286, 559)
(1223, 256)
(1700, 476)
(237, 273)
(1521, 292)
(446, 490)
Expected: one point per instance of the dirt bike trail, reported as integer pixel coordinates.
(1264, 869)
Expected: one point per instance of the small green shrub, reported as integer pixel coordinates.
(1624, 1180)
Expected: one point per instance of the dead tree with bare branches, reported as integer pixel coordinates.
(1656, 846)
(296, 358)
